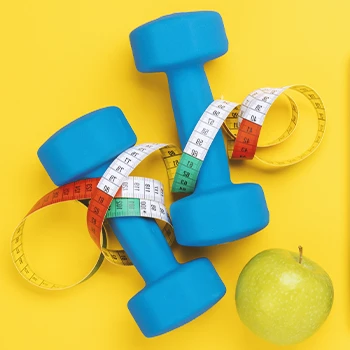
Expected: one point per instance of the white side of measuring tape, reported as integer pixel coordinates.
(207, 127)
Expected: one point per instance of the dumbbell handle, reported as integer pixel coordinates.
(143, 241)
(190, 95)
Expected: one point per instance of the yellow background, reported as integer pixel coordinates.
(61, 59)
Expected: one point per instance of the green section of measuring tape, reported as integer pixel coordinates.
(120, 207)
(186, 174)
(124, 207)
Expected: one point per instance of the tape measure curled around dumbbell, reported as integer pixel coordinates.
(132, 196)
(116, 194)
(243, 124)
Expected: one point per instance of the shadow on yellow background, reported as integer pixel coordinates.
(62, 59)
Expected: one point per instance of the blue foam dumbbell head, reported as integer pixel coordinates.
(159, 45)
(174, 293)
(177, 298)
(179, 45)
(86, 146)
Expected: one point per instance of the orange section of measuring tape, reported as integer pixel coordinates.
(247, 140)
(79, 190)
(97, 211)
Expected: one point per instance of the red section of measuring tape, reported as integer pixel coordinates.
(98, 208)
(247, 140)
(79, 190)
(73, 191)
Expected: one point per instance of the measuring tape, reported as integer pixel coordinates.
(116, 194)
(136, 197)
(243, 124)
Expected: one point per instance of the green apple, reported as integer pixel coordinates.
(283, 297)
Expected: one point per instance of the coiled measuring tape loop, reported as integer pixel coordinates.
(243, 125)
(232, 126)
(116, 174)
(246, 125)
(127, 202)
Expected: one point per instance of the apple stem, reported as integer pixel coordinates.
(300, 254)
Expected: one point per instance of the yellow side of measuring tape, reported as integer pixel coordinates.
(242, 124)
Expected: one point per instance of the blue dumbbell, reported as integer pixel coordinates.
(179, 45)
(175, 293)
